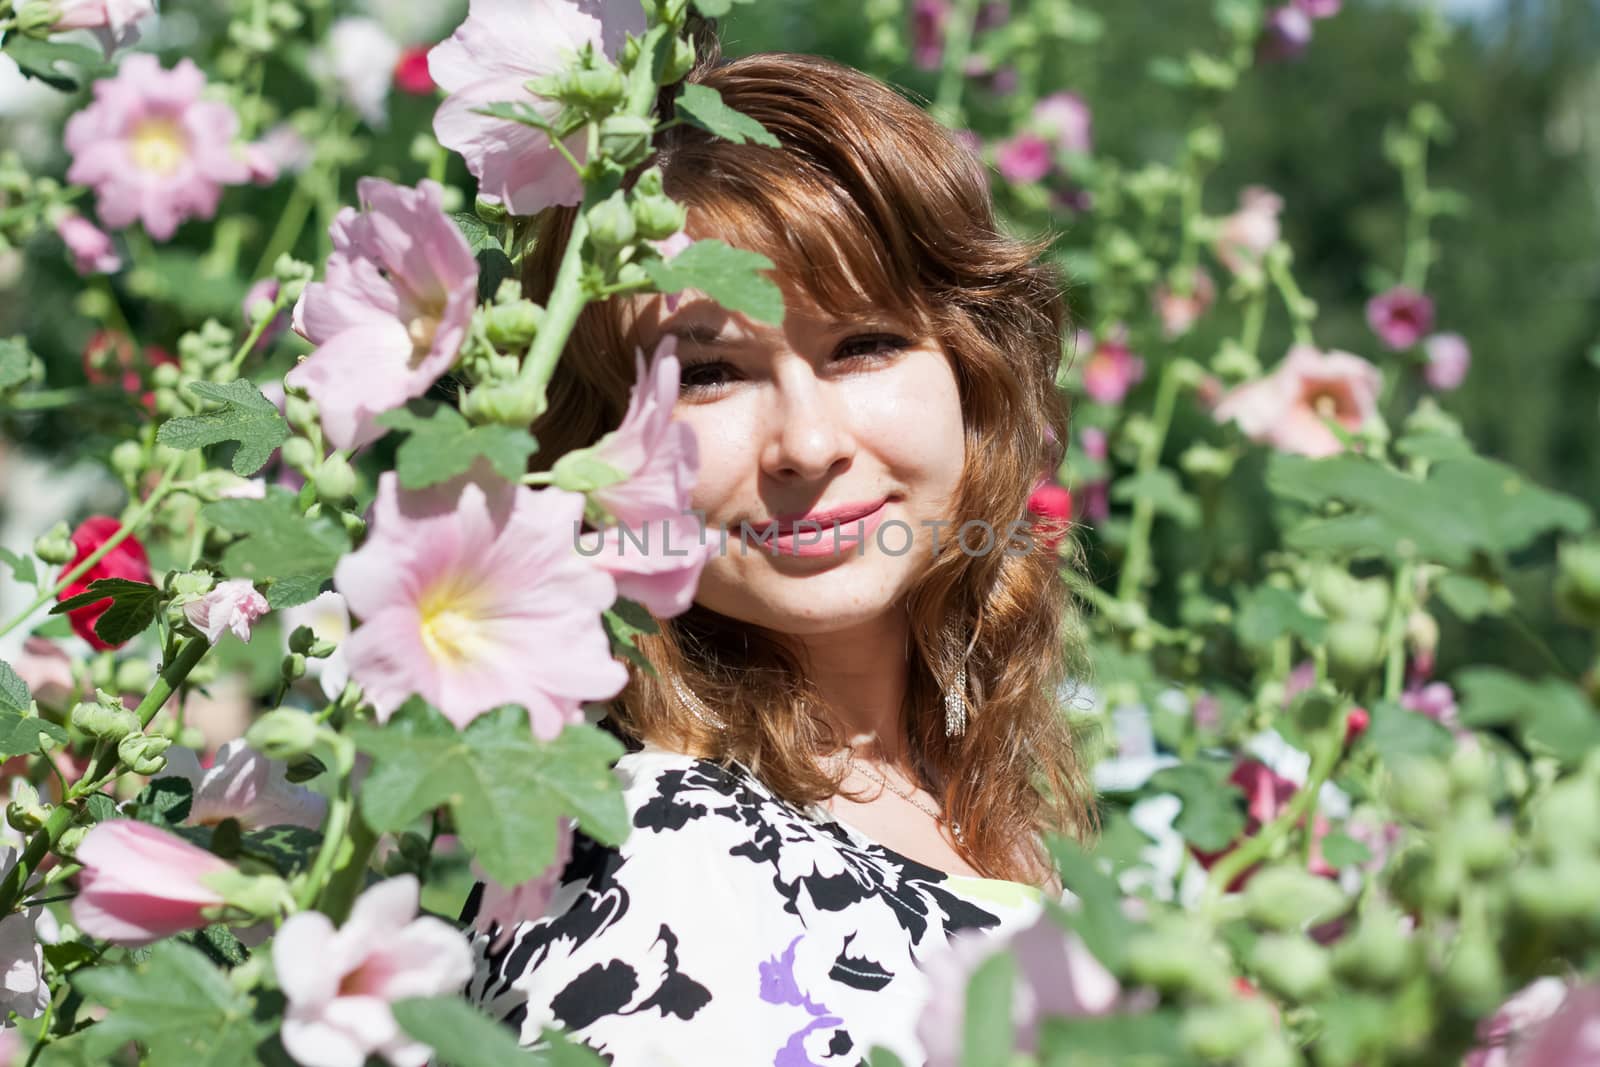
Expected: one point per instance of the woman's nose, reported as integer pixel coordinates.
(808, 433)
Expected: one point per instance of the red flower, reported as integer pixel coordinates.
(1267, 793)
(127, 560)
(1053, 503)
(113, 358)
(411, 72)
(1356, 724)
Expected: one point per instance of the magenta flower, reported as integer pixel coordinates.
(243, 784)
(1056, 977)
(1180, 311)
(1400, 317)
(1319, 9)
(472, 595)
(928, 18)
(657, 552)
(91, 247)
(1285, 35)
(502, 909)
(1025, 158)
(233, 605)
(113, 21)
(152, 149)
(390, 316)
(1285, 409)
(1436, 700)
(1244, 237)
(1449, 358)
(1093, 501)
(1112, 368)
(1066, 119)
(340, 983)
(140, 884)
(489, 59)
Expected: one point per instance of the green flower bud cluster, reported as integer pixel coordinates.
(25, 812)
(143, 753)
(305, 641)
(105, 718)
(1357, 609)
(509, 403)
(207, 350)
(293, 275)
(55, 545)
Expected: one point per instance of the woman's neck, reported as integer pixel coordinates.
(861, 672)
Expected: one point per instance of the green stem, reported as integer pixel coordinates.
(44, 399)
(953, 75)
(1144, 509)
(1255, 315)
(333, 831)
(1395, 632)
(287, 232)
(44, 1033)
(350, 877)
(1415, 178)
(249, 343)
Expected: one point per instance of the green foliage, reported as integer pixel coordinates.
(703, 106)
(1549, 715)
(16, 362)
(133, 607)
(462, 1036)
(1211, 817)
(727, 275)
(987, 1025)
(279, 541)
(245, 416)
(14, 696)
(50, 61)
(441, 445)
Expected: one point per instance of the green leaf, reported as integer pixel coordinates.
(100, 807)
(42, 59)
(1267, 613)
(1124, 1039)
(1099, 918)
(164, 802)
(1211, 818)
(878, 1056)
(702, 106)
(1549, 714)
(1162, 488)
(16, 362)
(988, 1031)
(22, 735)
(280, 541)
(477, 232)
(176, 1005)
(220, 946)
(133, 607)
(462, 1036)
(727, 275)
(245, 416)
(622, 632)
(1397, 731)
(503, 786)
(14, 695)
(443, 445)
(1471, 597)
(1342, 850)
(290, 849)
(21, 566)
(292, 590)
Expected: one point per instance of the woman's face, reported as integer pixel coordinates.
(817, 414)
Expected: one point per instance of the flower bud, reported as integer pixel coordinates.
(289, 270)
(597, 89)
(1473, 976)
(293, 666)
(143, 754)
(305, 641)
(626, 138)
(658, 217)
(25, 812)
(300, 454)
(105, 719)
(1355, 647)
(611, 227)
(1291, 898)
(127, 459)
(283, 734)
(1557, 894)
(1378, 952)
(1205, 461)
(134, 676)
(334, 479)
(55, 545)
(581, 472)
(354, 525)
(491, 211)
(513, 403)
(1234, 364)
(1172, 955)
(1471, 767)
(1291, 964)
(681, 61)
(1219, 1032)
(513, 325)
(1205, 143)
(1419, 789)
(67, 845)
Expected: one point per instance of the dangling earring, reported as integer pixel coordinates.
(696, 706)
(955, 697)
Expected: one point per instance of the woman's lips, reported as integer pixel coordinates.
(821, 519)
(825, 538)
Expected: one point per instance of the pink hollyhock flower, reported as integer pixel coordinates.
(1518, 1027)
(140, 884)
(1285, 409)
(91, 247)
(968, 140)
(411, 72)
(329, 619)
(489, 59)
(1400, 317)
(1053, 504)
(360, 57)
(1267, 793)
(1095, 499)
(1448, 361)
(1024, 158)
(1180, 311)
(1112, 369)
(661, 460)
(113, 21)
(1301, 677)
(243, 784)
(1285, 35)
(152, 148)
(46, 669)
(502, 909)
(1319, 9)
(928, 18)
(233, 605)
(1244, 237)
(471, 594)
(127, 560)
(340, 983)
(391, 314)
(1056, 976)
(265, 291)
(1437, 701)
(283, 149)
(1066, 119)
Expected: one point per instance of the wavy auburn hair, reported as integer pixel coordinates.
(867, 181)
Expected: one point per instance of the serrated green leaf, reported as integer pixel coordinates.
(245, 416)
(164, 802)
(461, 1035)
(504, 787)
(100, 807)
(442, 445)
(727, 275)
(703, 106)
(292, 590)
(1212, 815)
(1162, 488)
(133, 607)
(42, 59)
(20, 734)
(16, 362)
(280, 541)
(477, 232)
(21, 566)
(1267, 613)
(14, 695)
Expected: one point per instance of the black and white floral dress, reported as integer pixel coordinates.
(732, 927)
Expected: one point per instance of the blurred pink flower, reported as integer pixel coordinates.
(266, 289)
(1024, 158)
(1266, 793)
(1094, 499)
(1449, 358)
(1516, 1024)
(340, 983)
(1065, 118)
(472, 595)
(152, 148)
(489, 59)
(928, 18)
(282, 149)
(233, 605)
(243, 784)
(91, 247)
(1301, 678)
(23, 988)
(1319, 9)
(1112, 368)
(391, 314)
(359, 57)
(1285, 409)
(968, 140)
(1437, 701)
(660, 460)
(1285, 34)
(140, 884)
(1056, 976)
(46, 669)
(502, 909)
(1179, 312)
(1244, 237)
(1400, 317)
(113, 21)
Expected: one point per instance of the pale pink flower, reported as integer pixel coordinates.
(22, 984)
(1301, 678)
(360, 56)
(152, 148)
(1517, 1022)
(1024, 158)
(91, 247)
(1066, 118)
(233, 606)
(1449, 358)
(329, 619)
(1285, 409)
(390, 316)
(113, 21)
(489, 59)
(140, 884)
(658, 550)
(283, 148)
(928, 18)
(1112, 368)
(1400, 317)
(1437, 701)
(46, 669)
(502, 909)
(1319, 9)
(340, 983)
(1056, 976)
(472, 595)
(1180, 311)
(1244, 237)
(1285, 34)
(243, 784)
(1094, 500)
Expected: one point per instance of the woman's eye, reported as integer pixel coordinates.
(709, 377)
(872, 344)
(701, 377)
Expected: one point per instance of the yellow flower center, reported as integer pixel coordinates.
(1326, 405)
(450, 627)
(421, 329)
(158, 146)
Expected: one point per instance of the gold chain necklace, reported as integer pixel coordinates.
(911, 797)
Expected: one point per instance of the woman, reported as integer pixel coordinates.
(844, 758)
